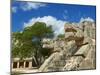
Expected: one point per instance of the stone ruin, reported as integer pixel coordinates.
(76, 51)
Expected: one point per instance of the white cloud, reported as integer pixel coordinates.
(57, 25)
(14, 9)
(30, 5)
(86, 19)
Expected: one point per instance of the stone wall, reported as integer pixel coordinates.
(75, 51)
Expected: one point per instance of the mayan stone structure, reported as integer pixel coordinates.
(76, 51)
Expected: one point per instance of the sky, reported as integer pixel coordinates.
(25, 14)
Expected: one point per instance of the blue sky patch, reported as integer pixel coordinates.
(27, 13)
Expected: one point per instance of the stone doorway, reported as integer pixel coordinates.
(21, 64)
(14, 64)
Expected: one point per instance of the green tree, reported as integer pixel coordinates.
(30, 41)
(36, 33)
(16, 43)
(61, 36)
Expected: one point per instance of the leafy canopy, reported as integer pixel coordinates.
(30, 41)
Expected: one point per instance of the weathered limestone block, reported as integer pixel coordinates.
(73, 63)
(79, 33)
(79, 37)
(59, 45)
(70, 48)
(90, 61)
(89, 29)
(44, 66)
(69, 28)
(83, 51)
(87, 40)
(77, 58)
(57, 60)
(72, 27)
(69, 36)
(48, 45)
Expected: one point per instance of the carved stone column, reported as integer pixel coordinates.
(12, 65)
(18, 64)
(30, 64)
(24, 64)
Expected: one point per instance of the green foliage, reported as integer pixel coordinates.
(26, 50)
(23, 49)
(39, 30)
(29, 42)
(17, 35)
(61, 36)
(45, 52)
(15, 52)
